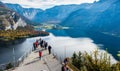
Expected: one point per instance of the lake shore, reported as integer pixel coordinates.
(18, 36)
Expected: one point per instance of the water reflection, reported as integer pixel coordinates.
(66, 46)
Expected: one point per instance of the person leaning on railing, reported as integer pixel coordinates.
(65, 66)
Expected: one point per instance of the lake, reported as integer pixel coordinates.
(65, 43)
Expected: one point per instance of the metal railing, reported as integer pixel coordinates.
(17, 62)
(59, 58)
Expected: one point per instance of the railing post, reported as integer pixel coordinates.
(14, 56)
(19, 61)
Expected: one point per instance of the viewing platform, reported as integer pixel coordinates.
(33, 63)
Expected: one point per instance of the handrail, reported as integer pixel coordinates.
(73, 67)
(17, 62)
(21, 59)
(59, 58)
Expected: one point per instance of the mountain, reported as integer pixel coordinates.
(10, 19)
(57, 13)
(27, 12)
(101, 16)
(2, 5)
(52, 15)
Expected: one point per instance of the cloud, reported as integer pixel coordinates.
(44, 4)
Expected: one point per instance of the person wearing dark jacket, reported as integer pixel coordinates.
(62, 69)
(49, 49)
(41, 43)
(46, 44)
(34, 46)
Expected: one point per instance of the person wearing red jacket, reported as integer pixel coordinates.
(36, 44)
(40, 54)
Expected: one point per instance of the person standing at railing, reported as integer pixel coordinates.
(65, 61)
(40, 39)
(65, 68)
(34, 46)
(49, 49)
(62, 68)
(41, 43)
(45, 44)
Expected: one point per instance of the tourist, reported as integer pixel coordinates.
(34, 46)
(46, 44)
(41, 43)
(49, 49)
(65, 60)
(40, 54)
(62, 69)
(40, 39)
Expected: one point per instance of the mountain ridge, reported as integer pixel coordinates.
(102, 16)
(52, 15)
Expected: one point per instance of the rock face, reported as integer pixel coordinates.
(27, 12)
(9, 19)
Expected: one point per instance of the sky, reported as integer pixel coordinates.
(44, 4)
